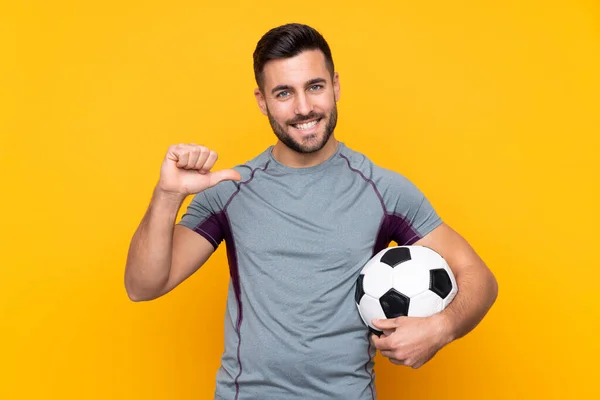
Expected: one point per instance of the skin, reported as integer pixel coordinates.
(289, 95)
(161, 254)
(414, 341)
(299, 89)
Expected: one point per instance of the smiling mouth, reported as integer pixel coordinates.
(306, 125)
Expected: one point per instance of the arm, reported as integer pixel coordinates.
(477, 286)
(162, 254)
(414, 341)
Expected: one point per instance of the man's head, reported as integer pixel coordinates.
(297, 86)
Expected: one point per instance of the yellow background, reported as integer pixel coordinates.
(491, 108)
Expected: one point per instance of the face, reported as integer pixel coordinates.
(299, 97)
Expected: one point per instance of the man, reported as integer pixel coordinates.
(299, 221)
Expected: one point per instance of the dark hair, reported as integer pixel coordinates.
(287, 41)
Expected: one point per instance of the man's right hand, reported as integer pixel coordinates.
(186, 170)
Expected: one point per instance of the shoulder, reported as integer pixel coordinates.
(249, 168)
(383, 178)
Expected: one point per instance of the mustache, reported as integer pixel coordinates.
(301, 118)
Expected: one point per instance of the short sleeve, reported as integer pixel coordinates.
(409, 214)
(204, 216)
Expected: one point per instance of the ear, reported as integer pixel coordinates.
(336, 86)
(260, 99)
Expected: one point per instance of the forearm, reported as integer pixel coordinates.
(150, 253)
(477, 292)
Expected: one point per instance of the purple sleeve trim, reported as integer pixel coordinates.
(211, 230)
(393, 227)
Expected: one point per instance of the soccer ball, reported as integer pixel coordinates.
(413, 281)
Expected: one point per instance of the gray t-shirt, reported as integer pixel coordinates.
(297, 239)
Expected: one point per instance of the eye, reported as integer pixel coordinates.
(316, 87)
(283, 93)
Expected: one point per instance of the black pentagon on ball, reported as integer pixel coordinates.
(439, 282)
(375, 332)
(394, 304)
(395, 256)
(360, 292)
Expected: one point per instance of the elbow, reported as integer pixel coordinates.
(493, 288)
(137, 297)
(133, 296)
(136, 294)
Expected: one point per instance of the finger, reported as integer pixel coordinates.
(209, 161)
(193, 155)
(182, 158)
(386, 324)
(397, 362)
(389, 354)
(415, 365)
(223, 175)
(203, 154)
(380, 344)
(173, 152)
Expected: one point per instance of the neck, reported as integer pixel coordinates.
(291, 158)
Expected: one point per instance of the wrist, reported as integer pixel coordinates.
(445, 328)
(168, 198)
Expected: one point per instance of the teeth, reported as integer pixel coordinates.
(306, 125)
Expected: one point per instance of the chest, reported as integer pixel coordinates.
(321, 221)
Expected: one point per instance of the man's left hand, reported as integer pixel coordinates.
(411, 341)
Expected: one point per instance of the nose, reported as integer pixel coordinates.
(303, 104)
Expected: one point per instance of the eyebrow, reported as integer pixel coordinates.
(288, 87)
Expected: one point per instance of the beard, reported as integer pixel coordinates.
(309, 144)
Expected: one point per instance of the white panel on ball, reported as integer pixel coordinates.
(410, 278)
(369, 309)
(378, 280)
(427, 256)
(425, 304)
(373, 261)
